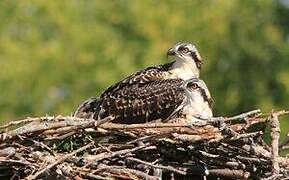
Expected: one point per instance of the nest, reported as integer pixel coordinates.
(73, 148)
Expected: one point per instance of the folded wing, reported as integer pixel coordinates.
(142, 102)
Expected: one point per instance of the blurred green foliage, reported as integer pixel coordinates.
(55, 54)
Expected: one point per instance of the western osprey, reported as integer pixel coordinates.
(197, 102)
(187, 65)
(161, 99)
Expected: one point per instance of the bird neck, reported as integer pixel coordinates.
(185, 69)
(196, 98)
(197, 106)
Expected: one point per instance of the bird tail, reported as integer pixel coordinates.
(87, 109)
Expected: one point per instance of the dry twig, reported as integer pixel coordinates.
(45, 147)
(60, 160)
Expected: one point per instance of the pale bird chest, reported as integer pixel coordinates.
(184, 72)
(199, 108)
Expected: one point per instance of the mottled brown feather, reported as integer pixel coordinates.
(147, 75)
(139, 103)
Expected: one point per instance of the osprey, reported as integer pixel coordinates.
(197, 102)
(187, 65)
(161, 99)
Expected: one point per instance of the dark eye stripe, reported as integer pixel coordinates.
(194, 55)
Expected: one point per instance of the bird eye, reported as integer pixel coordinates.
(185, 50)
(192, 85)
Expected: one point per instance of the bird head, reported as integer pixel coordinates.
(195, 88)
(186, 52)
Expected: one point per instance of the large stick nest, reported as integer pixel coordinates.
(72, 148)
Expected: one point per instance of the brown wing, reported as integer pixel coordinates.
(139, 103)
(87, 109)
(147, 75)
(91, 106)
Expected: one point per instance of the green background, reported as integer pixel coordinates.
(55, 54)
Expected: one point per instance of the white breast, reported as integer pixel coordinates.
(184, 70)
(197, 107)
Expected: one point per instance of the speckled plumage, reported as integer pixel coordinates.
(150, 94)
(145, 102)
(88, 108)
(141, 103)
(137, 97)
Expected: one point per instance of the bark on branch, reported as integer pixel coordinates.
(68, 147)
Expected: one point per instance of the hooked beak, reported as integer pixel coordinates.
(171, 52)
